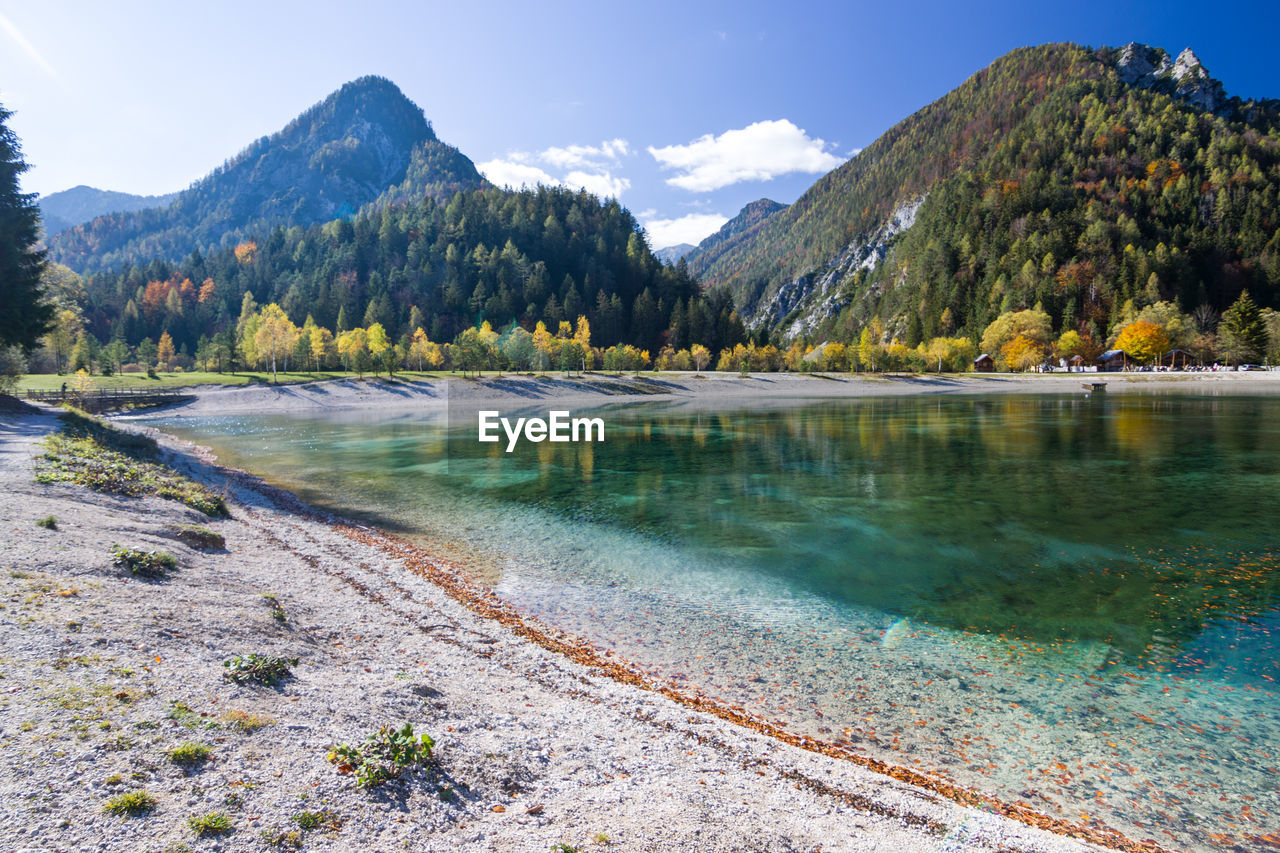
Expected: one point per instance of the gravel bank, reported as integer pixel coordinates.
(598, 388)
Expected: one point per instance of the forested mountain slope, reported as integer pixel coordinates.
(365, 142)
(1076, 178)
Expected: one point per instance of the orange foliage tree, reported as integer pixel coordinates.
(1142, 340)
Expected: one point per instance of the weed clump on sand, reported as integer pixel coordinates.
(152, 565)
(258, 669)
(48, 523)
(315, 820)
(200, 538)
(131, 804)
(190, 754)
(383, 756)
(213, 823)
(246, 721)
(277, 610)
(94, 454)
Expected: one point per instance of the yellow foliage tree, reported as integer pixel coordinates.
(165, 351)
(1022, 353)
(274, 337)
(701, 357)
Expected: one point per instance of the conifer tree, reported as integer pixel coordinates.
(25, 316)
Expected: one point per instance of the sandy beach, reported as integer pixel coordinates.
(540, 740)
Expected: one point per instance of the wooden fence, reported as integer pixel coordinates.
(102, 401)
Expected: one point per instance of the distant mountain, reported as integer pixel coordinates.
(671, 254)
(737, 230)
(366, 143)
(1081, 179)
(78, 205)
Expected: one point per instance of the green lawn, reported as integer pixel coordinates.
(53, 382)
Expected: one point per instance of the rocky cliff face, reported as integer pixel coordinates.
(822, 292)
(337, 156)
(1185, 78)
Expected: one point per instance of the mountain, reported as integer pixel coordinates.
(78, 205)
(1090, 181)
(738, 230)
(671, 254)
(366, 143)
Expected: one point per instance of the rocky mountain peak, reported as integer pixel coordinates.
(1184, 78)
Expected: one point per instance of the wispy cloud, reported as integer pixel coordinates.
(589, 167)
(757, 152)
(692, 229)
(28, 47)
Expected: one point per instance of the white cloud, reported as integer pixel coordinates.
(590, 167)
(691, 229)
(514, 174)
(757, 152)
(586, 156)
(602, 184)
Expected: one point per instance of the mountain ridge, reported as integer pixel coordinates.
(347, 151)
(80, 204)
(796, 272)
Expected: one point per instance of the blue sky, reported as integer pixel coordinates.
(685, 111)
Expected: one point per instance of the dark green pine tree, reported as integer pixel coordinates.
(1243, 333)
(24, 317)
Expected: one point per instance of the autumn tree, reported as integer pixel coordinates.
(377, 342)
(1022, 353)
(1143, 340)
(353, 349)
(541, 346)
(701, 357)
(165, 351)
(1032, 324)
(274, 336)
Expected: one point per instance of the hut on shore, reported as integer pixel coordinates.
(1114, 360)
(1178, 359)
(984, 364)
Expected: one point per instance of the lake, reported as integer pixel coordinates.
(1067, 600)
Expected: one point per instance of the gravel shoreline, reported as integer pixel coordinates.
(539, 741)
(707, 388)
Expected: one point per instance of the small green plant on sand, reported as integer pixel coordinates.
(213, 823)
(48, 523)
(564, 848)
(131, 804)
(258, 669)
(144, 564)
(190, 754)
(290, 839)
(277, 610)
(314, 820)
(384, 755)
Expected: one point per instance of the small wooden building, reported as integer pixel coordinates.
(1178, 359)
(1114, 360)
(984, 364)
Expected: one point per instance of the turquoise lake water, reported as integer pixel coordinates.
(1065, 600)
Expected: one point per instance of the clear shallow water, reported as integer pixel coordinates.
(1064, 600)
